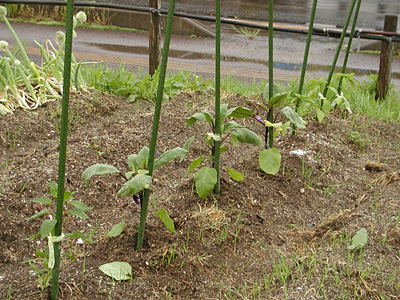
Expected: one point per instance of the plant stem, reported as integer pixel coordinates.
(353, 27)
(156, 121)
(271, 67)
(217, 91)
(63, 146)
(338, 50)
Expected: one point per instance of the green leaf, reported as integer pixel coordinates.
(139, 161)
(245, 135)
(135, 185)
(223, 112)
(194, 164)
(116, 230)
(97, 169)
(79, 213)
(117, 270)
(168, 222)
(39, 214)
(234, 140)
(205, 180)
(47, 227)
(186, 146)
(277, 99)
(276, 90)
(200, 116)
(359, 240)
(53, 188)
(293, 117)
(320, 115)
(169, 156)
(235, 175)
(43, 200)
(80, 205)
(239, 112)
(209, 118)
(270, 160)
(228, 126)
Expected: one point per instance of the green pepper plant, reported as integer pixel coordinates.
(206, 177)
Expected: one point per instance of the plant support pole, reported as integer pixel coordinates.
(353, 28)
(339, 47)
(63, 146)
(271, 68)
(217, 91)
(154, 36)
(156, 121)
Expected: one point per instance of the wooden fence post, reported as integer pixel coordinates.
(154, 36)
(385, 67)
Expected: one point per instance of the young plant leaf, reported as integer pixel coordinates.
(53, 188)
(200, 116)
(97, 169)
(186, 146)
(359, 240)
(47, 227)
(277, 99)
(194, 164)
(270, 160)
(235, 175)
(228, 126)
(139, 161)
(79, 213)
(320, 115)
(168, 156)
(135, 185)
(205, 180)
(276, 90)
(293, 117)
(80, 205)
(118, 270)
(39, 214)
(168, 222)
(239, 112)
(245, 135)
(116, 230)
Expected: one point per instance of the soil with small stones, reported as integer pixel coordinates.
(262, 238)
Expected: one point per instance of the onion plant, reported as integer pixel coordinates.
(23, 83)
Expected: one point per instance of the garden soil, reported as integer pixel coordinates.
(262, 238)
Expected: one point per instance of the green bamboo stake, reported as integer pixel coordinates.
(353, 28)
(156, 121)
(305, 60)
(217, 91)
(271, 69)
(63, 147)
(339, 47)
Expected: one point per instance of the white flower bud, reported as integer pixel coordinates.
(60, 36)
(3, 44)
(81, 17)
(17, 62)
(3, 11)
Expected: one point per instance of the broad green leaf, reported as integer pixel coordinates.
(80, 205)
(139, 161)
(239, 112)
(276, 90)
(116, 230)
(135, 185)
(47, 227)
(186, 146)
(320, 115)
(359, 240)
(68, 195)
(43, 200)
(234, 140)
(39, 214)
(79, 213)
(228, 126)
(270, 160)
(235, 175)
(194, 164)
(245, 135)
(285, 126)
(205, 180)
(200, 116)
(53, 188)
(277, 99)
(97, 169)
(209, 118)
(168, 156)
(293, 117)
(168, 222)
(118, 270)
(223, 112)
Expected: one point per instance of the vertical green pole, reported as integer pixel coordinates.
(156, 121)
(63, 146)
(217, 91)
(353, 28)
(271, 68)
(338, 49)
